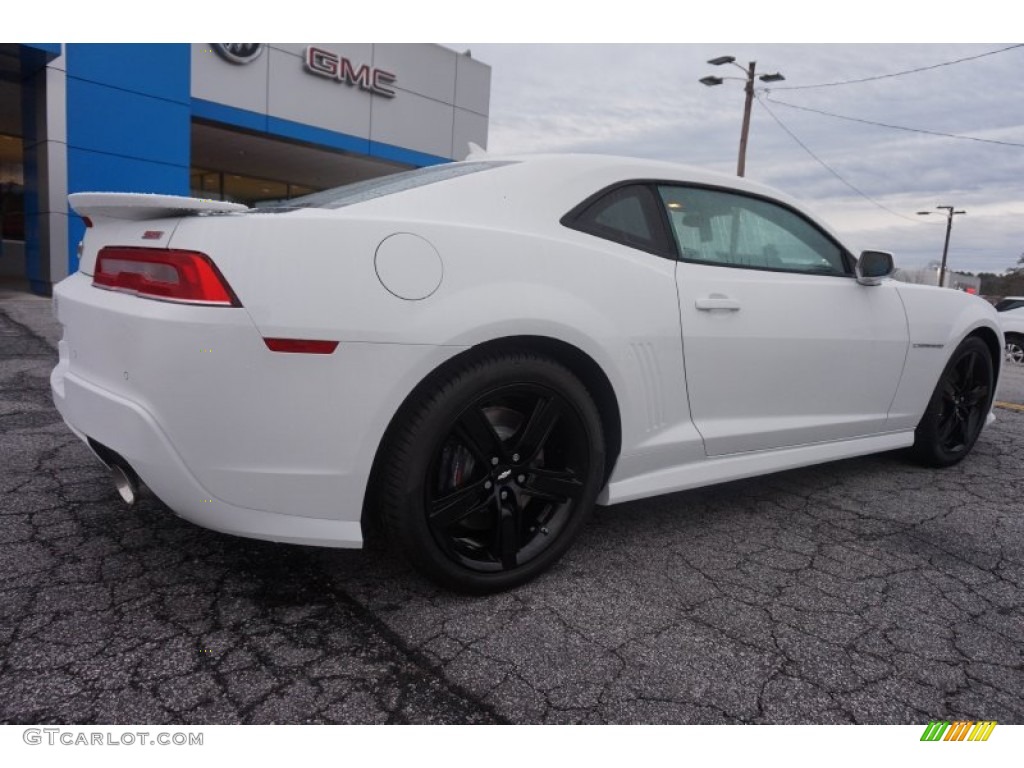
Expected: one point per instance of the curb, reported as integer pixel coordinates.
(1010, 406)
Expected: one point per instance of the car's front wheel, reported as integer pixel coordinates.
(958, 407)
(490, 476)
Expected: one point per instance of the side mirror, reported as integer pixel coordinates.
(873, 266)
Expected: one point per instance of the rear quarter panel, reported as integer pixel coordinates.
(311, 274)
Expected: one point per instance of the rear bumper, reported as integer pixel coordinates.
(228, 434)
(91, 411)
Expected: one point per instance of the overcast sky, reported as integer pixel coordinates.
(645, 101)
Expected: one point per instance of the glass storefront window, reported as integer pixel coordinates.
(249, 190)
(12, 189)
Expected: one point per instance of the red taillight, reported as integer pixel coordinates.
(307, 346)
(183, 276)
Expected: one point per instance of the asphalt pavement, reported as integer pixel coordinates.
(861, 591)
(1011, 385)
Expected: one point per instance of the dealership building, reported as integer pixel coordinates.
(246, 122)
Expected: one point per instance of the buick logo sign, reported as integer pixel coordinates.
(238, 53)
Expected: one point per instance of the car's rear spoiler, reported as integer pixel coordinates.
(139, 207)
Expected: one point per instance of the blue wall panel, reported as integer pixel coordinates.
(161, 70)
(127, 124)
(113, 173)
(129, 121)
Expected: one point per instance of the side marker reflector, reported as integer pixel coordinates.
(304, 346)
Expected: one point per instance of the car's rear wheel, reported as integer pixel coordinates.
(489, 478)
(1015, 348)
(958, 407)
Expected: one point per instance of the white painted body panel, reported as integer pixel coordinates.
(776, 371)
(1012, 321)
(280, 446)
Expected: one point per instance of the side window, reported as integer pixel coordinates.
(627, 215)
(733, 230)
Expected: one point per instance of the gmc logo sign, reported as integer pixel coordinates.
(328, 64)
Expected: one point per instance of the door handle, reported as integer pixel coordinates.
(717, 301)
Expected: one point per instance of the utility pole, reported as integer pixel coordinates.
(741, 163)
(950, 213)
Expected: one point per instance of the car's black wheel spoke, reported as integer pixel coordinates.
(972, 424)
(959, 435)
(542, 421)
(508, 538)
(946, 428)
(968, 373)
(476, 432)
(449, 510)
(557, 486)
(977, 396)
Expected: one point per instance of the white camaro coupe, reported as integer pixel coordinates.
(477, 353)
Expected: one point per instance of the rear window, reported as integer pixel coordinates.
(371, 189)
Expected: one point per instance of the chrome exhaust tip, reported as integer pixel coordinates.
(124, 484)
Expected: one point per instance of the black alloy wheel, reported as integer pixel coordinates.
(491, 478)
(959, 406)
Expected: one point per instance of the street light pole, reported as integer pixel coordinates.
(950, 213)
(748, 87)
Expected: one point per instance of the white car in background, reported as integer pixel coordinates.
(479, 352)
(1011, 319)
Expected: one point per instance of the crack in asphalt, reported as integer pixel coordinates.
(863, 591)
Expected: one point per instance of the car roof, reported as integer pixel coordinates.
(636, 168)
(579, 175)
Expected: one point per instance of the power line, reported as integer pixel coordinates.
(828, 167)
(896, 127)
(900, 74)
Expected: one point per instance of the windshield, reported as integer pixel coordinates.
(361, 191)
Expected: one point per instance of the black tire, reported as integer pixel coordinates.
(488, 479)
(1015, 348)
(958, 407)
